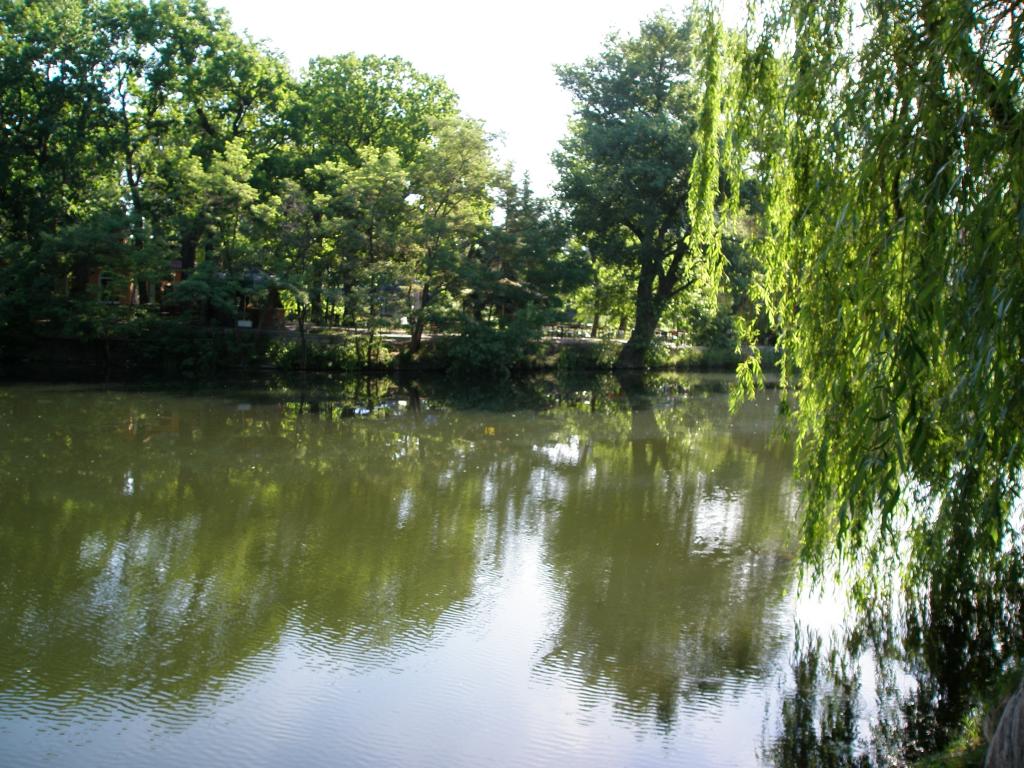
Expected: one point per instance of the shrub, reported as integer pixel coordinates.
(599, 356)
(483, 349)
(333, 355)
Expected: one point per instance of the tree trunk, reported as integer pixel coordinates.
(647, 441)
(654, 291)
(302, 335)
(348, 315)
(316, 312)
(648, 312)
(80, 271)
(189, 248)
(623, 324)
(1006, 749)
(269, 309)
(132, 177)
(371, 333)
(416, 338)
(596, 326)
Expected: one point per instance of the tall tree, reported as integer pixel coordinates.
(525, 260)
(347, 109)
(347, 102)
(452, 180)
(626, 166)
(366, 222)
(228, 95)
(126, 108)
(56, 129)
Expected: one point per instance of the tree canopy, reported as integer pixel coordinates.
(627, 165)
(156, 162)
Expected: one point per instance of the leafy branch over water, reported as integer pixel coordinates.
(889, 142)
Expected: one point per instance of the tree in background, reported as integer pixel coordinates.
(368, 221)
(145, 138)
(526, 261)
(452, 180)
(346, 102)
(148, 114)
(643, 143)
(347, 107)
(155, 161)
(512, 282)
(57, 134)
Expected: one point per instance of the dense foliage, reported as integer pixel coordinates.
(155, 162)
(889, 138)
(639, 169)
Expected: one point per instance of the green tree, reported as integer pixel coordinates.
(294, 250)
(524, 260)
(347, 102)
(367, 221)
(511, 283)
(452, 180)
(154, 114)
(348, 109)
(54, 175)
(608, 292)
(230, 95)
(626, 167)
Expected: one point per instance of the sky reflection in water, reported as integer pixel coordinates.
(375, 574)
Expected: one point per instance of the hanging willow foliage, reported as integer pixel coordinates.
(888, 138)
(705, 229)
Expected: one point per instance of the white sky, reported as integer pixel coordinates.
(498, 57)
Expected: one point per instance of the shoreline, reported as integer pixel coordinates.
(215, 353)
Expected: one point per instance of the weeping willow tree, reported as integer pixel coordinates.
(888, 138)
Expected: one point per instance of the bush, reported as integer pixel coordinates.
(710, 330)
(484, 349)
(205, 295)
(152, 342)
(338, 355)
(587, 356)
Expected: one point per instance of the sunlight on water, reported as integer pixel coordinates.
(588, 578)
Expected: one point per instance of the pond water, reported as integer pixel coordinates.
(368, 573)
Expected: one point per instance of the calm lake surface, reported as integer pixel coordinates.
(363, 573)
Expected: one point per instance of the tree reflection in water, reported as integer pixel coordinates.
(925, 684)
(158, 550)
(671, 547)
(820, 710)
(158, 544)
